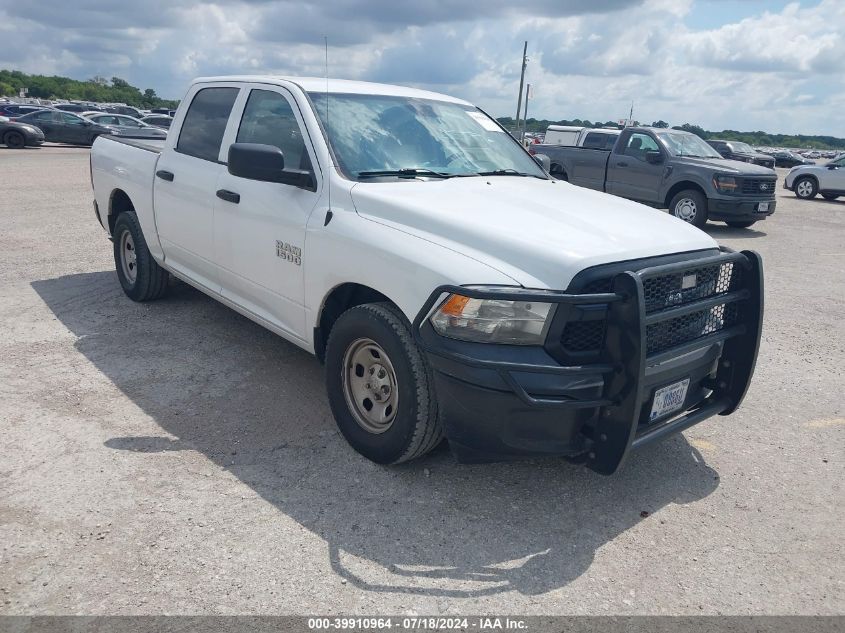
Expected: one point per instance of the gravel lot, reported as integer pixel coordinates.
(173, 457)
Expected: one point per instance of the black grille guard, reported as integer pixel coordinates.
(624, 359)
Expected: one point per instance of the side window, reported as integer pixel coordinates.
(70, 119)
(595, 140)
(269, 119)
(46, 116)
(204, 124)
(639, 144)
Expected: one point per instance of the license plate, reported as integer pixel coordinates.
(763, 207)
(669, 398)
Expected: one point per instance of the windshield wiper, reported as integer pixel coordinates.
(407, 172)
(508, 172)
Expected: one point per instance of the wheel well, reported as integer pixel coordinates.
(118, 203)
(686, 184)
(803, 176)
(339, 300)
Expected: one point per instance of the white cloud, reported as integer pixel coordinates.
(780, 71)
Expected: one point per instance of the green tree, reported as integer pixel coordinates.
(661, 123)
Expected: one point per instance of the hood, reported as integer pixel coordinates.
(727, 166)
(540, 233)
(28, 127)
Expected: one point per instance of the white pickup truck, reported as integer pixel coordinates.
(451, 287)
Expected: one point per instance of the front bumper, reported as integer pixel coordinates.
(739, 209)
(500, 402)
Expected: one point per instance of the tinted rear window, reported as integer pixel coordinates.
(204, 125)
(600, 140)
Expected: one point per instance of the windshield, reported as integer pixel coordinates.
(744, 148)
(373, 134)
(680, 144)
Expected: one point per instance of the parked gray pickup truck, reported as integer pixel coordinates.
(670, 169)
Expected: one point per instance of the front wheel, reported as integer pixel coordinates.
(14, 140)
(806, 188)
(556, 171)
(380, 385)
(740, 225)
(140, 275)
(690, 206)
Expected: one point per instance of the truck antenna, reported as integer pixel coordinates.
(328, 132)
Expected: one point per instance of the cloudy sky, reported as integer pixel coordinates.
(774, 65)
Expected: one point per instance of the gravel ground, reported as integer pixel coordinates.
(173, 457)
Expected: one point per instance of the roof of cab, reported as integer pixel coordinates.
(321, 84)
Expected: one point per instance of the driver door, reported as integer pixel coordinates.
(74, 129)
(630, 175)
(259, 227)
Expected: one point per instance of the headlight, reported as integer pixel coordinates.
(725, 184)
(492, 320)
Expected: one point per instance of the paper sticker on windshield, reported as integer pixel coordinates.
(484, 122)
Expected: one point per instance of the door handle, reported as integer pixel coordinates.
(229, 196)
(165, 175)
(621, 164)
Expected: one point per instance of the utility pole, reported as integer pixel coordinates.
(525, 115)
(521, 82)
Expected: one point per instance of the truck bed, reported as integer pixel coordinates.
(581, 166)
(147, 144)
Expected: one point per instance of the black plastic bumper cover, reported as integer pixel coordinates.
(502, 401)
(739, 210)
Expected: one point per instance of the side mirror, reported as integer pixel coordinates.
(266, 163)
(655, 158)
(833, 166)
(544, 161)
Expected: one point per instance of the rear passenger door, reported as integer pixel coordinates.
(260, 231)
(185, 183)
(47, 121)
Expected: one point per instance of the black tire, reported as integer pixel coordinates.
(416, 427)
(14, 140)
(556, 171)
(690, 206)
(829, 196)
(150, 280)
(805, 187)
(744, 224)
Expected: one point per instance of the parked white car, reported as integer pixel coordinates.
(451, 287)
(809, 180)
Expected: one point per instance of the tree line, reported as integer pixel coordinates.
(759, 138)
(97, 89)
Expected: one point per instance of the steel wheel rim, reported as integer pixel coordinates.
(804, 188)
(128, 257)
(686, 209)
(369, 385)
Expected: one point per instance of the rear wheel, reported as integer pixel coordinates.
(690, 206)
(740, 225)
(140, 275)
(14, 140)
(806, 188)
(829, 196)
(380, 386)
